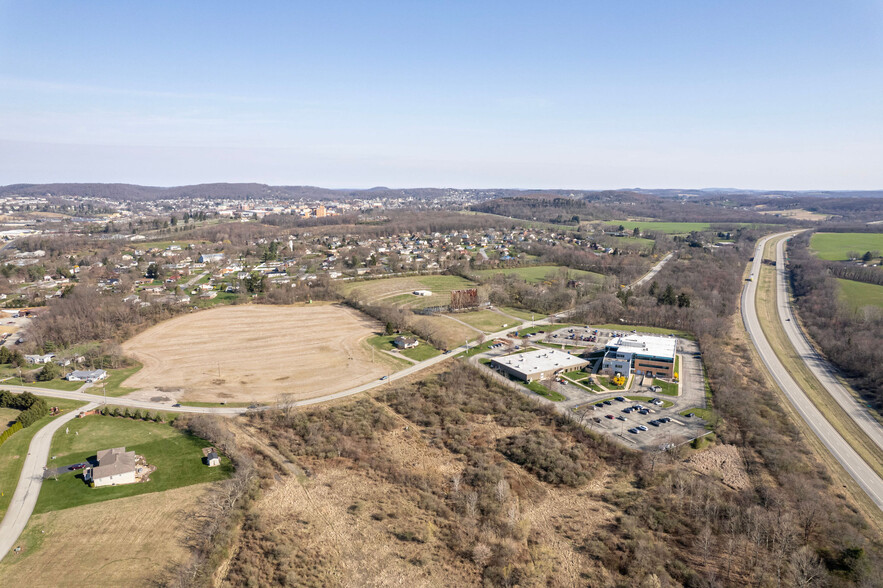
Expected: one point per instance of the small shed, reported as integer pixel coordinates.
(211, 457)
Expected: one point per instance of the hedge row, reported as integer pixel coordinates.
(8, 432)
(33, 407)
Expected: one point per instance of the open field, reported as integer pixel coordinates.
(397, 291)
(539, 273)
(775, 334)
(131, 544)
(836, 246)
(176, 455)
(796, 213)
(858, 294)
(671, 228)
(13, 452)
(522, 314)
(634, 242)
(7, 417)
(254, 353)
(486, 320)
(450, 331)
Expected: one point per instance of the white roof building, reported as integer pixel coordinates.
(645, 346)
(538, 365)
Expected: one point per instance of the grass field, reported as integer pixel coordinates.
(859, 294)
(706, 414)
(522, 314)
(398, 291)
(56, 384)
(176, 455)
(486, 320)
(672, 228)
(634, 243)
(131, 544)
(836, 246)
(255, 352)
(539, 273)
(421, 352)
(12, 452)
(7, 417)
(545, 392)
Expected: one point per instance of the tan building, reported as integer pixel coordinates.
(115, 466)
(320, 211)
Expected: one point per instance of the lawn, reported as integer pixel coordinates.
(672, 228)
(486, 320)
(56, 384)
(16, 447)
(665, 403)
(859, 294)
(545, 392)
(112, 383)
(177, 456)
(605, 381)
(584, 382)
(837, 246)
(522, 314)
(706, 414)
(540, 273)
(7, 417)
(668, 388)
(422, 352)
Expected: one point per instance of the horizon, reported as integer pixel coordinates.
(756, 94)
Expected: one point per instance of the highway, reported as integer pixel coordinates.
(854, 465)
(28, 489)
(819, 366)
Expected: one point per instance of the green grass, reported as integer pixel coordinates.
(634, 242)
(422, 352)
(540, 273)
(605, 381)
(221, 298)
(837, 246)
(13, 452)
(859, 294)
(668, 388)
(113, 382)
(672, 228)
(476, 349)
(487, 320)
(538, 388)
(51, 384)
(665, 403)
(584, 382)
(7, 417)
(177, 456)
(522, 314)
(706, 414)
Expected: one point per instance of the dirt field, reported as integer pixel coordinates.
(254, 353)
(127, 542)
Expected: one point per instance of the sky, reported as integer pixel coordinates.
(584, 95)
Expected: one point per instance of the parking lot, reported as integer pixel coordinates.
(619, 418)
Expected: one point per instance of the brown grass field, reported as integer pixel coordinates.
(254, 353)
(125, 542)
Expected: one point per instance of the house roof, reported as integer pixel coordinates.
(114, 461)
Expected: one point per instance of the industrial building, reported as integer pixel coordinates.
(538, 365)
(643, 354)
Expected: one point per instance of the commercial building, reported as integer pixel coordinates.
(643, 354)
(86, 376)
(538, 365)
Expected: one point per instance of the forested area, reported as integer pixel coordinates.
(848, 337)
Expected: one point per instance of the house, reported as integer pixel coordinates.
(210, 457)
(405, 342)
(40, 358)
(86, 376)
(211, 257)
(115, 467)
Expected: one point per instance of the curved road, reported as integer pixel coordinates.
(819, 367)
(854, 465)
(28, 489)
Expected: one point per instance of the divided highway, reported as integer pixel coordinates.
(819, 367)
(854, 465)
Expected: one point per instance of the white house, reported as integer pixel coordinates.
(405, 342)
(86, 376)
(40, 358)
(115, 467)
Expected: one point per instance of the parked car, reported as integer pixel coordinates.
(620, 398)
(634, 431)
(642, 428)
(79, 466)
(620, 417)
(655, 423)
(176, 405)
(690, 415)
(610, 416)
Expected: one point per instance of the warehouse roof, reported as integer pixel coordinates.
(541, 360)
(645, 345)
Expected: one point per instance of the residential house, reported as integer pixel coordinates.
(115, 467)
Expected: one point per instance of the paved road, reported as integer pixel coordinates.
(854, 465)
(820, 368)
(25, 497)
(193, 280)
(653, 271)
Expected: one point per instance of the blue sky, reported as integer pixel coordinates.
(778, 95)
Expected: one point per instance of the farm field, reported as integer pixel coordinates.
(176, 455)
(7, 417)
(671, 228)
(539, 273)
(132, 544)
(254, 353)
(397, 291)
(836, 246)
(634, 242)
(859, 294)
